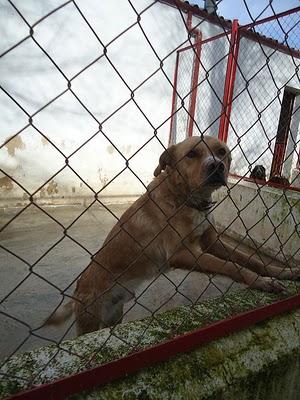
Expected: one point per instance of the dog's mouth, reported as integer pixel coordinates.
(216, 179)
(215, 172)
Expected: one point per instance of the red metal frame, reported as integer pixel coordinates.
(210, 39)
(194, 80)
(244, 29)
(173, 110)
(189, 21)
(194, 85)
(195, 74)
(265, 183)
(283, 132)
(229, 82)
(272, 17)
(236, 33)
(98, 376)
(278, 158)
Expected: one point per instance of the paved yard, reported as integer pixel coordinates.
(31, 295)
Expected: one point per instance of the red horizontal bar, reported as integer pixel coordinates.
(95, 377)
(210, 39)
(194, 88)
(271, 18)
(265, 183)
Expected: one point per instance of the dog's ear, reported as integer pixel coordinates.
(166, 158)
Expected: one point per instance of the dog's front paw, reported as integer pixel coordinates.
(292, 274)
(267, 284)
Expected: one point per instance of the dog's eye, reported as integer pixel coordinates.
(222, 152)
(191, 154)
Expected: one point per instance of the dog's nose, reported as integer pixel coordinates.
(215, 170)
(216, 166)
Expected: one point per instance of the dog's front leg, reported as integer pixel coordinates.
(188, 258)
(212, 244)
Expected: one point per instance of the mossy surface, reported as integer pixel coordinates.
(201, 373)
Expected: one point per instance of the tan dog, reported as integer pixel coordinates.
(171, 225)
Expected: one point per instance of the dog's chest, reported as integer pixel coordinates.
(191, 223)
(201, 221)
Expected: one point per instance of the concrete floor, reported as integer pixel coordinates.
(28, 295)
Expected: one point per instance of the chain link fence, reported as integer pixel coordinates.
(274, 103)
(91, 100)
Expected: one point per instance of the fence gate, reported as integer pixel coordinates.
(201, 71)
(242, 87)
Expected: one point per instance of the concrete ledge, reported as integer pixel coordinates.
(262, 362)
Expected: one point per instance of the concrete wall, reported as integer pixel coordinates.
(33, 81)
(30, 77)
(261, 216)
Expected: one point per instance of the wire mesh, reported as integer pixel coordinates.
(258, 108)
(284, 30)
(91, 89)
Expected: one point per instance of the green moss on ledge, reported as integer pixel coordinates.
(208, 371)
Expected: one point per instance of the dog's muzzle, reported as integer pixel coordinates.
(215, 170)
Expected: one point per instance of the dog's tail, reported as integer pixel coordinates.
(60, 315)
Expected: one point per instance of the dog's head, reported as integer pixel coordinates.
(196, 164)
(259, 172)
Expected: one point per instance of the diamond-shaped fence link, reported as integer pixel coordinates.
(264, 106)
(283, 30)
(208, 89)
(93, 93)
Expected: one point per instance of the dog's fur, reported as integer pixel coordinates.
(259, 172)
(171, 225)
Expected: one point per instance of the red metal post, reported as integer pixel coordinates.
(194, 86)
(278, 158)
(229, 82)
(195, 74)
(189, 21)
(210, 39)
(283, 132)
(194, 81)
(174, 97)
